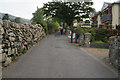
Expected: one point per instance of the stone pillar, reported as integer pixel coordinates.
(87, 39)
(81, 40)
(114, 50)
(119, 56)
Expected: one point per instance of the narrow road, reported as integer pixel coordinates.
(55, 57)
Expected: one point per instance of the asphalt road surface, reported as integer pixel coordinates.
(55, 57)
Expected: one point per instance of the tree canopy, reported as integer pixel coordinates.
(17, 20)
(38, 16)
(5, 17)
(68, 11)
(62, 13)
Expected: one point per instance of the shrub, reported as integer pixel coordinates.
(5, 17)
(17, 20)
(44, 25)
(92, 31)
(105, 39)
(13, 57)
(79, 30)
(99, 34)
(53, 26)
(24, 50)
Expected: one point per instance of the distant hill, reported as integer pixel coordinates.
(23, 20)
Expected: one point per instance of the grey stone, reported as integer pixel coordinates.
(3, 57)
(11, 34)
(114, 51)
(1, 22)
(15, 37)
(7, 62)
(84, 39)
(11, 38)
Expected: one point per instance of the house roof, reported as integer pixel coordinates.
(117, 2)
(105, 5)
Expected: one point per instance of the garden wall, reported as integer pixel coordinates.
(114, 50)
(16, 39)
(99, 45)
(84, 39)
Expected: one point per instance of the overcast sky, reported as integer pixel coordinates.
(25, 8)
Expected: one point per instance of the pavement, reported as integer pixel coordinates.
(55, 57)
(100, 53)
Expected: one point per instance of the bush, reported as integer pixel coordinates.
(19, 52)
(105, 39)
(5, 17)
(17, 20)
(56, 26)
(24, 50)
(79, 30)
(99, 34)
(13, 57)
(53, 26)
(92, 31)
(44, 25)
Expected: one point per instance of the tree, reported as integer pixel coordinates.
(39, 19)
(87, 21)
(12, 20)
(68, 11)
(5, 17)
(53, 26)
(38, 16)
(17, 20)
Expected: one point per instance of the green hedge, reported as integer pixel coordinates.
(101, 34)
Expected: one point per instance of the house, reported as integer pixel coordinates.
(108, 17)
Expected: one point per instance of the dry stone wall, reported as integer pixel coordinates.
(16, 39)
(114, 51)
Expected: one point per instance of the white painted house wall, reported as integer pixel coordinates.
(115, 15)
(99, 20)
